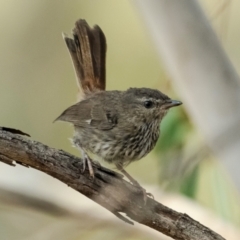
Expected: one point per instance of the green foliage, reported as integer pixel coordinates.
(174, 167)
(174, 129)
(188, 186)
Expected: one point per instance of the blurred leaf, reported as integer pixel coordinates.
(189, 184)
(174, 130)
(174, 164)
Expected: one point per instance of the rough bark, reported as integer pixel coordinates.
(108, 188)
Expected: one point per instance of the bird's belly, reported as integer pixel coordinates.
(112, 147)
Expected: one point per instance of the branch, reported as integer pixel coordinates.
(108, 189)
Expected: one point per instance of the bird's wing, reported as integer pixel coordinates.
(90, 115)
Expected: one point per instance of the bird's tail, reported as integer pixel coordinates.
(88, 52)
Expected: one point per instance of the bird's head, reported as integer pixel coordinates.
(148, 104)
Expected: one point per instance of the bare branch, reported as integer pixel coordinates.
(108, 188)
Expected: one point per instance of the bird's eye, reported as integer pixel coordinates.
(148, 104)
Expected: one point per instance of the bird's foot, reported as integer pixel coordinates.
(87, 160)
(135, 183)
(146, 195)
(144, 192)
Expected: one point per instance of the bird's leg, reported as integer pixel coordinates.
(89, 163)
(129, 177)
(134, 182)
(86, 159)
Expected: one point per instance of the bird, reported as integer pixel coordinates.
(118, 126)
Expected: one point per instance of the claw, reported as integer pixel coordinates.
(90, 168)
(135, 183)
(150, 195)
(84, 165)
(145, 194)
(86, 159)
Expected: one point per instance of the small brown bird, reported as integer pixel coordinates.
(118, 126)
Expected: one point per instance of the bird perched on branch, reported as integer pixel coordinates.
(118, 126)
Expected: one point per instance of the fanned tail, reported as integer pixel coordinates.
(88, 52)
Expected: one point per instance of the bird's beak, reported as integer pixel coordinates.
(171, 103)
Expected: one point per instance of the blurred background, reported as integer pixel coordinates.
(38, 83)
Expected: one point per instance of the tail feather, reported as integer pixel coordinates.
(88, 53)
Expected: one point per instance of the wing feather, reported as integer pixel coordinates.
(89, 115)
